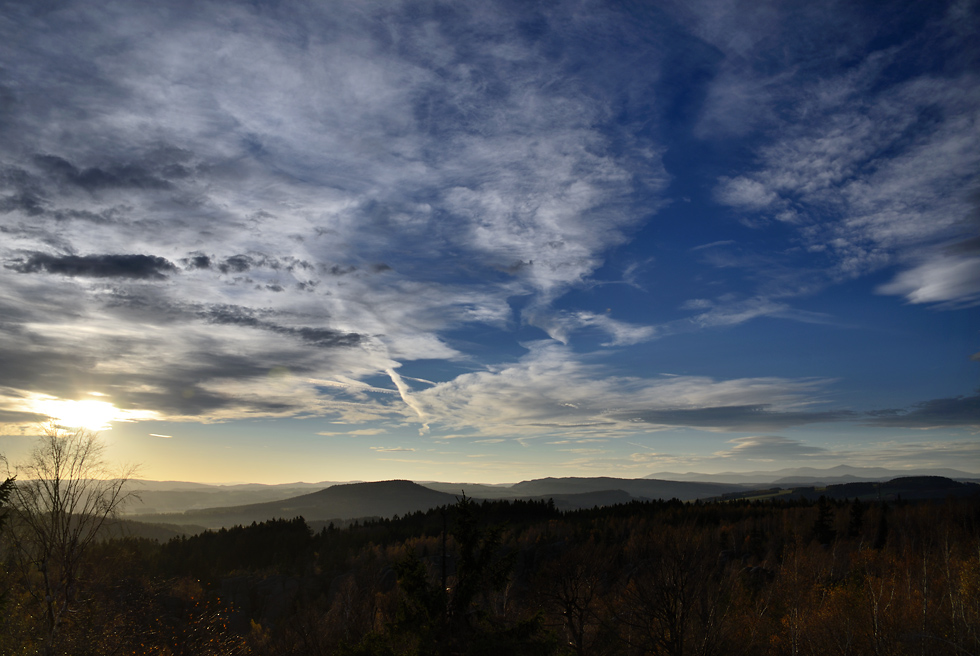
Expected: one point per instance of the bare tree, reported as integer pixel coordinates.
(574, 585)
(63, 498)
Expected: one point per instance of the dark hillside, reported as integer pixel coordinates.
(584, 500)
(909, 488)
(379, 499)
(638, 488)
(157, 497)
(473, 490)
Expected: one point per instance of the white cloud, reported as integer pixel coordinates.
(551, 392)
(872, 172)
(714, 244)
(770, 447)
(736, 312)
(561, 326)
(357, 433)
(943, 280)
(869, 209)
(745, 193)
(324, 181)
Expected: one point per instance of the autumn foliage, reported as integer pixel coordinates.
(520, 577)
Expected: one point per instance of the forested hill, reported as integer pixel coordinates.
(385, 499)
(398, 497)
(907, 487)
(338, 502)
(522, 578)
(638, 488)
(180, 496)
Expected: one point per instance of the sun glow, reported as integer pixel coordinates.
(88, 414)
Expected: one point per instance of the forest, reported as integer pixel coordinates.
(768, 577)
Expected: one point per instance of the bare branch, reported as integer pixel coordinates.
(62, 501)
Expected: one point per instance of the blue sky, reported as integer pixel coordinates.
(492, 241)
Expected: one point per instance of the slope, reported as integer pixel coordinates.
(353, 500)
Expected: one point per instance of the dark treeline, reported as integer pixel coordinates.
(521, 577)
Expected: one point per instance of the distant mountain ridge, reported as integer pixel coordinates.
(343, 502)
(179, 496)
(906, 487)
(398, 497)
(639, 488)
(337, 502)
(812, 475)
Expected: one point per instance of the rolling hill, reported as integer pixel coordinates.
(350, 501)
(638, 488)
(812, 475)
(906, 487)
(157, 497)
(389, 498)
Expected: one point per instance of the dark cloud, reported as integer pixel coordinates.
(965, 247)
(233, 315)
(519, 266)
(146, 307)
(25, 202)
(737, 417)
(937, 413)
(28, 365)
(93, 179)
(197, 261)
(8, 103)
(176, 172)
(241, 262)
(26, 195)
(184, 387)
(106, 216)
(144, 267)
(188, 389)
(13, 177)
(179, 397)
(236, 264)
(14, 417)
(182, 391)
(299, 264)
(322, 336)
(240, 316)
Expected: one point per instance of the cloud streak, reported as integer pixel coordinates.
(770, 447)
(936, 413)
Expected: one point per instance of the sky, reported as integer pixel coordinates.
(488, 242)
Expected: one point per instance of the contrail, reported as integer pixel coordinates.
(406, 393)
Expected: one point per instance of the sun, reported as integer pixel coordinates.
(90, 415)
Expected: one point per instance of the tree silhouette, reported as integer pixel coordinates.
(5, 489)
(61, 506)
(823, 526)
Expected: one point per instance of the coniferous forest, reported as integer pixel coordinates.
(521, 577)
